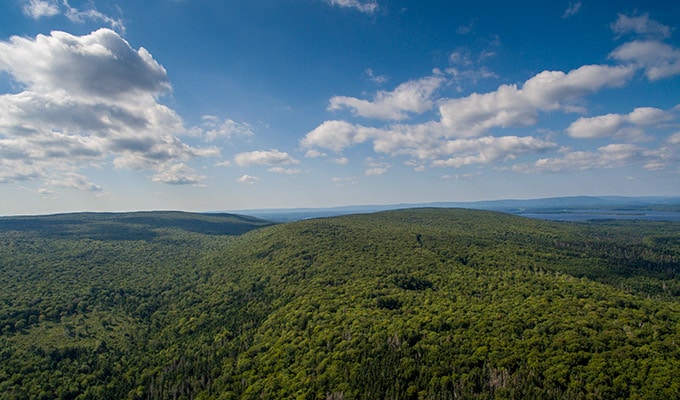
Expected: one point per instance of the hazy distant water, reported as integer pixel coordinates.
(585, 215)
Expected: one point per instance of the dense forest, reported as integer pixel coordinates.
(406, 304)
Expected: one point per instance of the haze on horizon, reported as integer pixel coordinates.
(200, 106)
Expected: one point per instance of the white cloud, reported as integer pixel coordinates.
(286, 171)
(46, 192)
(464, 57)
(37, 9)
(610, 156)
(658, 59)
(16, 169)
(101, 66)
(342, 181)
(618, 125)
(178, 174)
(90, 100)
(461, 76)
(648, 116)
(423, 141)
(364, 6)
(247, 179)
(465, 132)
(379, 79)
(460, 56)
(511, 106)
(674, 138)
(572, 9)
(314, 153)
(489, 149)
(73, 180)
(76, 15)
(462, 176)
(335, 135)
(376, 171)
(417, 165)
(465, 69)
(341, 160)
(427, 142)
(641, 25)
(270, 157)
(374, 167)
(213, 128)
(413, 96)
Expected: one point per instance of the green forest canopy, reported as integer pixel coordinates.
(407, 304)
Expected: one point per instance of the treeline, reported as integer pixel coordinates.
(411, 304)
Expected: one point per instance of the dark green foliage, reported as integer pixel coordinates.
(389, 303)
(412, 304)
(408, 282)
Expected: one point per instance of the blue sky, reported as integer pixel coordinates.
(229, 105)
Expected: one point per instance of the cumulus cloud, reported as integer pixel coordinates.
(659, 60)
(72, 180)
(213, 128)
(179, 174)
(270, 157)
(336, 135)
(427, 142)
(640, 25)
(91, 99)
(489, 149)
(410, 97)
(367, 7)
(609, 156)
(100, 65)
(462, 136)
(618, 125)
(37, 9)
(647, 51)
(314, 153)
(247, 179)
(509, 105)
(469, 130)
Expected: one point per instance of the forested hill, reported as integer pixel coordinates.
(129, 226)
(410, 304)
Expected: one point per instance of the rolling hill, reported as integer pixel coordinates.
(596, 207)
(406, 304)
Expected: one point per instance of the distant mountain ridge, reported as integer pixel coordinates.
(515, 206)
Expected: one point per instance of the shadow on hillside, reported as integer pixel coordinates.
(128, 226)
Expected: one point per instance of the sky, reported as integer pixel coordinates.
(198, 105)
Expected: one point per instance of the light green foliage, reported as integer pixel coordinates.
(411, 304)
